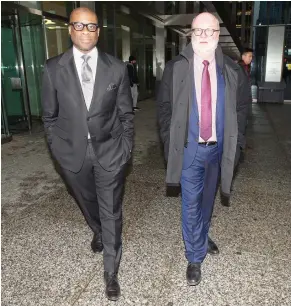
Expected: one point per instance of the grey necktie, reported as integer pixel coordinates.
(86, 72)
(87, 80)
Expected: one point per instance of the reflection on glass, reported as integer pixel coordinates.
(12, 104)
(33, 52)
(55, 7)
(57, 35)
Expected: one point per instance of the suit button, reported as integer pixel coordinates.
(88, 119)
(197, 139)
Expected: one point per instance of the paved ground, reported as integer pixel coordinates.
(46, 256)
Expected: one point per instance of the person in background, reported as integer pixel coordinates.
(246, 59)
(133, 79)
(244, 110)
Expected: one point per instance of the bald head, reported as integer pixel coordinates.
(82, 10)
(205, 19)
(205, 35)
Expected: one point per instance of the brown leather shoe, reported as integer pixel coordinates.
(96, 244)
(112, 289)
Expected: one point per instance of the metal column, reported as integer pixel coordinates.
(45, 37)
(160, 52)
(125, 42)
(243, 22)
(20, 56)
(7, 136)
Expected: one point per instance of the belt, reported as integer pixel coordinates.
(208, 143)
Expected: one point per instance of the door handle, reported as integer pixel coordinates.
(16, 83)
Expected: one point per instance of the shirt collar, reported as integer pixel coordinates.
(78, 54)
(200, 60)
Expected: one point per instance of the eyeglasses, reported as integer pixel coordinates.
(79, 26)
(208, 32)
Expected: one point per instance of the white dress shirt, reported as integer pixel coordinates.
(198, 69)
(92, 63)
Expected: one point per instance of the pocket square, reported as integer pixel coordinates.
(111, 87)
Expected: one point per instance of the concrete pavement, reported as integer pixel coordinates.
(46, 256)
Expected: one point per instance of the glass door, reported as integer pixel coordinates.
(5, 132)
(13, 96)
(22, 59)
(27, 40)
(33, 48)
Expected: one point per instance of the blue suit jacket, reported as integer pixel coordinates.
(193, 130)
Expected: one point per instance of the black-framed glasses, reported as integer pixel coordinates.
(79, 26)
(208, 32)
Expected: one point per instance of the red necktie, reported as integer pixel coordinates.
(206, 111)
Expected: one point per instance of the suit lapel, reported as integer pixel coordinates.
(220, 102)
(193, 96)
(70, 74)
(101, 79)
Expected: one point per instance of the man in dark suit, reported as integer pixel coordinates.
(133, 79)
(197, 110)
(88, 119)
(245, 63)
(244, 109)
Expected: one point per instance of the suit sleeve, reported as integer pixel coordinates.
(124, 105)
(164, 108)
(50, 107)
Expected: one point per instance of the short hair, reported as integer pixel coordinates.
(247, 50)
(131, 58)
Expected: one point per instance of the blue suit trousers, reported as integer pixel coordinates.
(199, 186)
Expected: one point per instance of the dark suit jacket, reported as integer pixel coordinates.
(132, 73)
(67, 120)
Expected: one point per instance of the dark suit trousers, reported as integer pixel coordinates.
(99, 196)
(199, 185)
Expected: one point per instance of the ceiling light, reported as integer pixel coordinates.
(48, 21)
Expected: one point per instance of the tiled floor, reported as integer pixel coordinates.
(46, 257)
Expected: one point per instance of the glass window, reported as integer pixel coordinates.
(61, 8)
(34, 57)
(30, 4)
(57, 35)
(190, 7)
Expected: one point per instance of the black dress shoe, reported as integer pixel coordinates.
(242, 157)
(112, 289)
(96, 244)
(225, 201)
(212, 248)
(193, 274)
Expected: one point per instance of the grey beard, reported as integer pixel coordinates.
(204, 52)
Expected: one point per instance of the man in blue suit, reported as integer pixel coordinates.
(198, 118)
